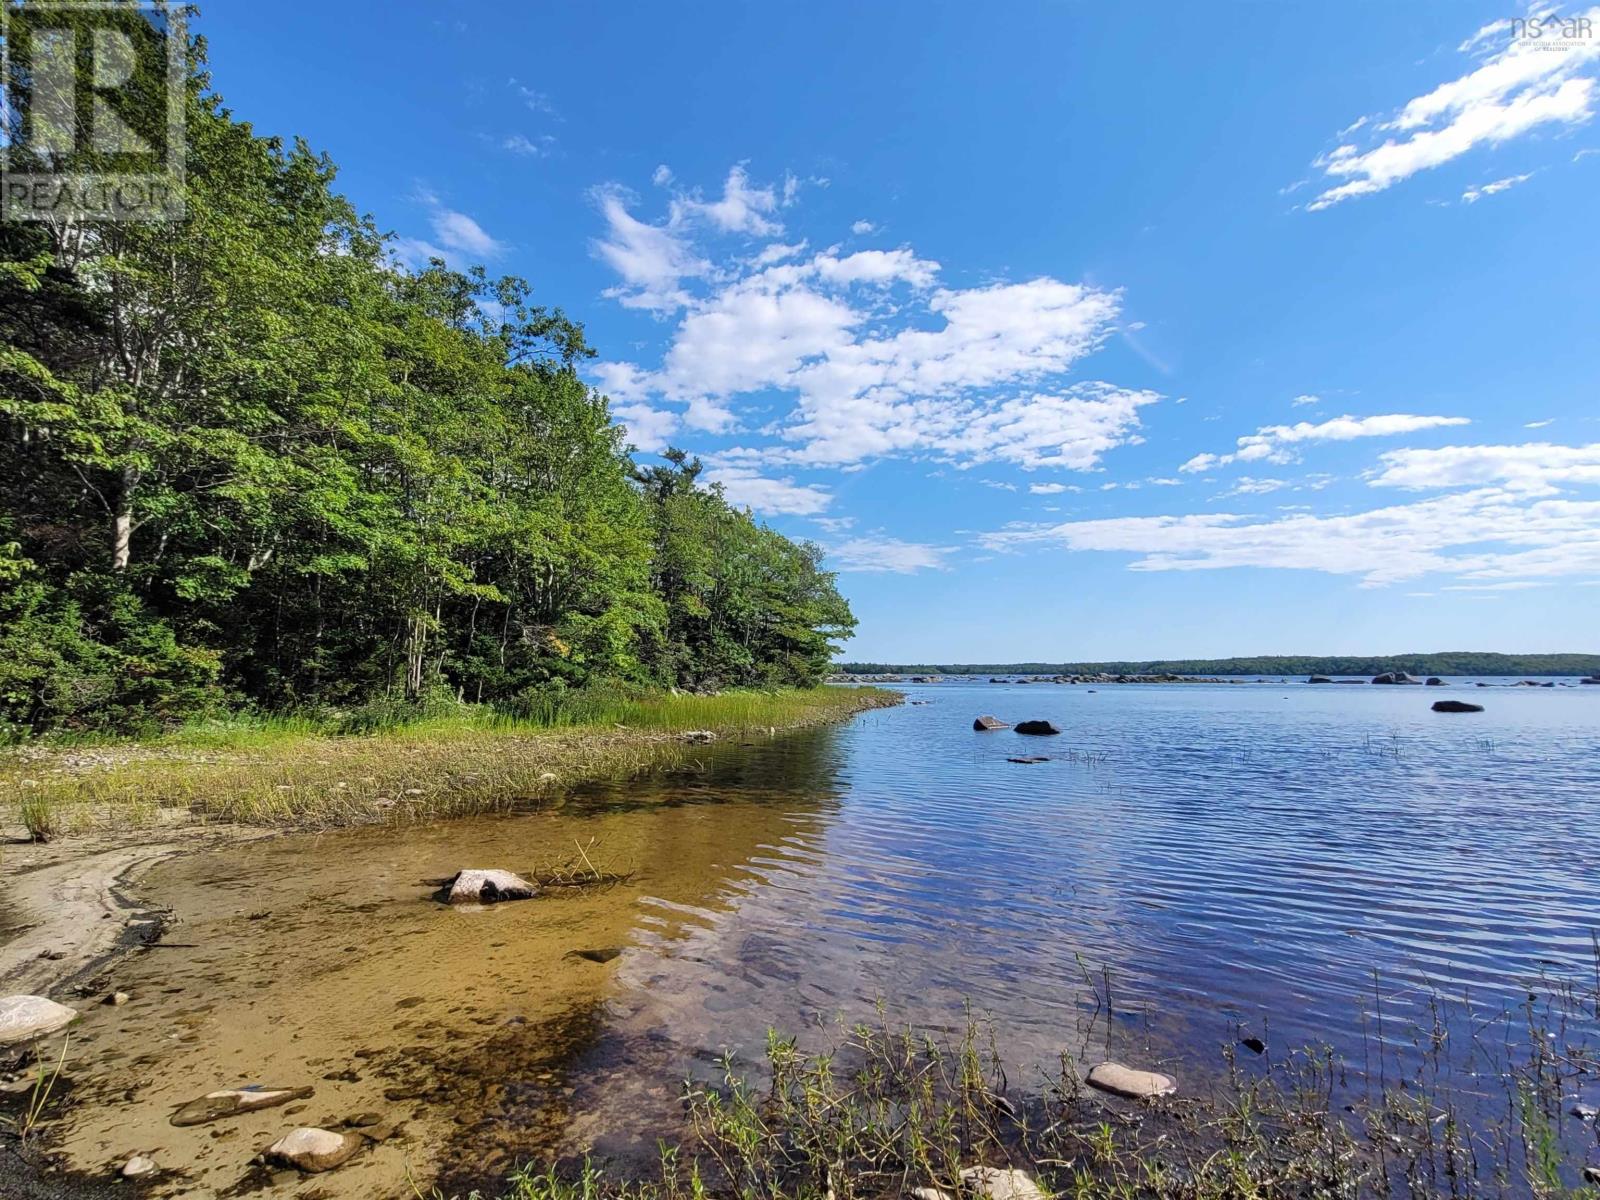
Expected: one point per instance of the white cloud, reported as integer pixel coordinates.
(863, 227)
(886, 554)
(1540, 424)
(1480, 535)
(746, 487)
(661, 176)
(534, 101)
(1247, 485)
(651, 259)
(1473, 194)
(1271, 443)
(835, 524)
(458, 239)
(1047, 489)
(742, 208)
(1535, 467)
(1526, 84)
(521, 144)
(867, 355)
(1302, 401)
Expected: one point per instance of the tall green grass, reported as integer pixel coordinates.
(391, 762)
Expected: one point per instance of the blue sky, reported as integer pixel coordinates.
(1071, 331)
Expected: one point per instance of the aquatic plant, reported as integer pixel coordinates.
(1449, 1101)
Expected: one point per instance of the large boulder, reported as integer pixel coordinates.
(1130, 1082)
(312, 1150)
(1435, 681)
(23, 1018)
(231, 1102)
(986, 724)
(1319, 679)
(1455, 706)
(1036, 727)
(474, 886)
(1591, 679)
(1395, 677)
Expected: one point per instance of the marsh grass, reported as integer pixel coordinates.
(296, 770)
(1444, 1100)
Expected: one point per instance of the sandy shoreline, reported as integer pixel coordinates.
(72, 912)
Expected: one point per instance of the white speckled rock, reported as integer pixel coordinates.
(999, 1183)
(138, 1166)
(23, 1018)
(313, 1150)
(484, 887)
(1134, 1084)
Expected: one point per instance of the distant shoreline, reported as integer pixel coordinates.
(1450, 662)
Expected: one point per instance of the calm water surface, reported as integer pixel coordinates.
(1278, 858)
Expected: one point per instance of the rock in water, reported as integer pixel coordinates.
(986, 723)
(999, 1183)
(1036, 727)
(700, 737)
(486, 887)
(1455, 706)
(230, 1102)
(138, 1166)
(1319, 679)
(1134, 1084)
(1435, 681)
(313, 1150)
(23, 1018)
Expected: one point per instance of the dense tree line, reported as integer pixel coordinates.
(1449, 662)
(247, 458)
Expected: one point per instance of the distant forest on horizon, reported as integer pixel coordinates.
(1449, 662)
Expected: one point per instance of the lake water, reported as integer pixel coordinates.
(1193, 862)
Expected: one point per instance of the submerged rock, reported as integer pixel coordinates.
(1455, 706)
(1130, 1082)
(310, 1149)
(23, 1018)
(1000, 1183)
(230, 1102)
(1036, 727)
(1435, 681)
(602, 955)
(1030, 758)
(474, 886)
(1319, 679)
(138, 1166)
(986, 724)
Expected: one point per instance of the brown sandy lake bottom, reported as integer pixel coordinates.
(1267, 859)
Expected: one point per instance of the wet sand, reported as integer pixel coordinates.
(324, 960)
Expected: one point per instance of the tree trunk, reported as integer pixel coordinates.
(122, 521)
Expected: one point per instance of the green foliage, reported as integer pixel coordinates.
(247, 454)
(1449, 662)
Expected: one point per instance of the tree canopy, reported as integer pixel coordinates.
(249, 458)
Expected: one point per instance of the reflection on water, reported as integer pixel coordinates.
(1272, 857)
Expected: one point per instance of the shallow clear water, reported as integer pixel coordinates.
(1193, 861)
